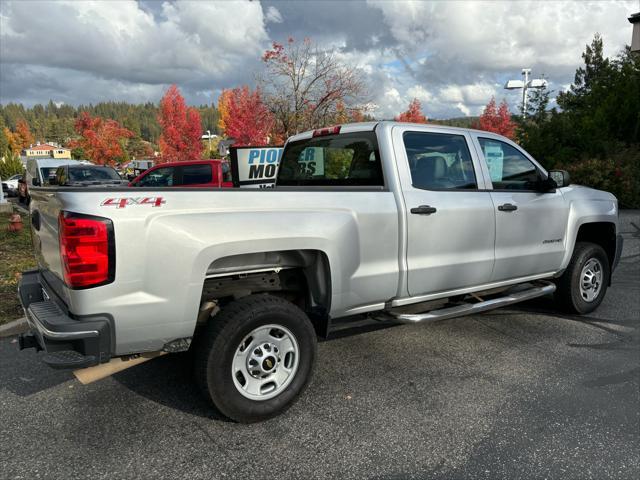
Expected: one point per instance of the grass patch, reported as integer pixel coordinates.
(16, 256)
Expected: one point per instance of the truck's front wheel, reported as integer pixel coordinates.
(255, 357)
(583, 285)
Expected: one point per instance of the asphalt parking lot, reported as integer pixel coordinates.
(518, 393)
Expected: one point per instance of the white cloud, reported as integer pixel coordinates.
(273, 15)
(452, 56)
(193, 42)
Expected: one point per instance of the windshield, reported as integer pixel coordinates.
(92, 174)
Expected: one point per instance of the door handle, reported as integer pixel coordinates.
(424, 210)
(507, 207)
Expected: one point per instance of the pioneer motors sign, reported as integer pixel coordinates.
(255, 167)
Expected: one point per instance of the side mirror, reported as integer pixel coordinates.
(561, 177)
(35, 182)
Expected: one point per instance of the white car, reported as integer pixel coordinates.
(10, 185)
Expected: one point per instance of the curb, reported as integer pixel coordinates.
(14, 328)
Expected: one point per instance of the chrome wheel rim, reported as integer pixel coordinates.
(265, 362)
(591, 280)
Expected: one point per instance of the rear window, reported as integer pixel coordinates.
(349, 159)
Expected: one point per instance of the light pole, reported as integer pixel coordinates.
(525, 85)
(209, 135)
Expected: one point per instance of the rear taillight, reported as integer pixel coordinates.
(87, 250)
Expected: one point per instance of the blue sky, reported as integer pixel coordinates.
(452, 56)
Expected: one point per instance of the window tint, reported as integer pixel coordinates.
(195, 174)
(92, 174)
(349, 159)
(161, 177)
(509, 169)
(439, 161)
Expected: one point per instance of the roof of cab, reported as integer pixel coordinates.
(368, 126)
(52, 162)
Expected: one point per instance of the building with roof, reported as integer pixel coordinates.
(46, 150)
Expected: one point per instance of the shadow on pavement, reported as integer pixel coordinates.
(169, 381)
(23, 374)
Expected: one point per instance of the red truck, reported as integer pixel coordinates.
(196, 173)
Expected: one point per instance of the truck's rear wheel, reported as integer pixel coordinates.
(255, 357)
(583, 285)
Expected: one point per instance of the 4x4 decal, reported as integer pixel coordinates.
(121, 202)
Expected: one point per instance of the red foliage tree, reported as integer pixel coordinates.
(101, 139)
(181, 137)
(413, 114)
(23, 134)
(497, 120)
(244, 116)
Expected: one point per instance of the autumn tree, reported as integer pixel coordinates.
(20, 138)
(181, 137)
(303, 86)
(244, 116)
(23, 134)
(101, 139)
(413, 114)
(497, 120)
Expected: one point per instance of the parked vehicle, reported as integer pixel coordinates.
(39, 172)
(135, 168)
(10, 185)
(197, 173)
(402, 222)
(86, 176)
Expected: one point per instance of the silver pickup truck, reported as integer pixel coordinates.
(390, 221)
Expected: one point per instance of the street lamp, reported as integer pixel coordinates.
(209, 135)
(525, 86)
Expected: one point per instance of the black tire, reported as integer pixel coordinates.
(568, 295)
(216, 346)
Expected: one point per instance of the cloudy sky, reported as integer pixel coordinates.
(451, 55)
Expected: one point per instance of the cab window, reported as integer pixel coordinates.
(508, 168)
(160, 177)
(196, 174)
(439, 161)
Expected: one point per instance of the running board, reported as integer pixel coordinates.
(471, 308)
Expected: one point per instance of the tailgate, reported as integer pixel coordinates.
(45, 207)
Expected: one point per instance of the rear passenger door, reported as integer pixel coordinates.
(530, 224)
(450, 219)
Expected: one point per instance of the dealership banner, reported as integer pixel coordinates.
(255, 167)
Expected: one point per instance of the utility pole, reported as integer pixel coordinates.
(525, 85)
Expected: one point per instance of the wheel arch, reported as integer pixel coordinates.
(300, 275)
(600, 233)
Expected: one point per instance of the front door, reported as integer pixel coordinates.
(530, 225)
(450, 221)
